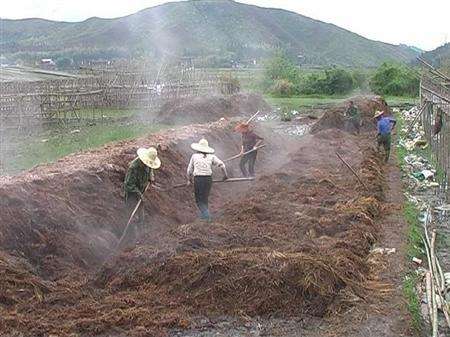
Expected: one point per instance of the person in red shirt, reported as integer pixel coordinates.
(250, 141)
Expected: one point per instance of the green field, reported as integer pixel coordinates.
(317, 101)
(106, 113)
(51, 146)
(297, 102)
(396, 101)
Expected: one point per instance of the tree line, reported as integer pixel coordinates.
(282, 77)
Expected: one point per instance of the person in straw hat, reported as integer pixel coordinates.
(140, 173)
(385, 124)
(250, 141)
(200, 171)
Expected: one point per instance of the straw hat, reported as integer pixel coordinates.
(241, 127)
(202, 146)
(149, 157)
(378, 113)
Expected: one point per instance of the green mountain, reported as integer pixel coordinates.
(218, 30)
(438, 57)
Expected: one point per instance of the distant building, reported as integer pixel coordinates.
(48, 64)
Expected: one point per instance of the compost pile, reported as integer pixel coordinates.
(206, 109)
(288, 244)
(335, 116)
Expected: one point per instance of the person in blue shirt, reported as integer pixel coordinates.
(385, 124)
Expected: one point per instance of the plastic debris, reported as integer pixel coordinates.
(443, 208)
(416, 260)
(384, 251)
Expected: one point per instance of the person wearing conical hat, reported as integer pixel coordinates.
(250, 141)
(199, 171)
(140, 173)
(385, 124)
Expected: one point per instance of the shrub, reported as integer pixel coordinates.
(283, 88)
(283, 78)
(331, 81)
(360, 79)
(280, 68)
(338, 81)
(313, 84)
(395, 79)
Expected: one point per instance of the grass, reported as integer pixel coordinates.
(401, 151)
(53, 146)
(315, 101)
(105, 112)
(411, 280)
(298, 102)
(414, 247)
(401, 100)
(413, 302)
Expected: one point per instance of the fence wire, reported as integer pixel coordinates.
(436, 122)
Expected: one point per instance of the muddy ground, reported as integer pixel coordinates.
(282, 257)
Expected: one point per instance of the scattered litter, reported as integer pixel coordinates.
(424, 174)
(416, 260)
(384, 251)
(447, 279)
(422, 217)
(421, 175)
(443, 208)
(428, 174)
(75, 131)
(294, 130)
(274, 115)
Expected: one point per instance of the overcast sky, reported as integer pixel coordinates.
(422, 23)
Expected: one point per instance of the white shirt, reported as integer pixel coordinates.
(201, 165)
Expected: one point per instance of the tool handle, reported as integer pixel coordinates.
(243, 154)
(252, 118)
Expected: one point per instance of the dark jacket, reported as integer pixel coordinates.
(137, 177)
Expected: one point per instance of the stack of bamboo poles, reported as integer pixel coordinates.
(434, 279)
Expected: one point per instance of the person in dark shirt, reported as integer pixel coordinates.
(250, 141)
(385, 124)
(140, 173)
(354, 116)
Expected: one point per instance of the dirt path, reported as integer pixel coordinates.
(385, 316)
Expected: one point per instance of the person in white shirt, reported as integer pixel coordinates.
(200, 171)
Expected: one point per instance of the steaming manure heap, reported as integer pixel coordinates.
(295, 242)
